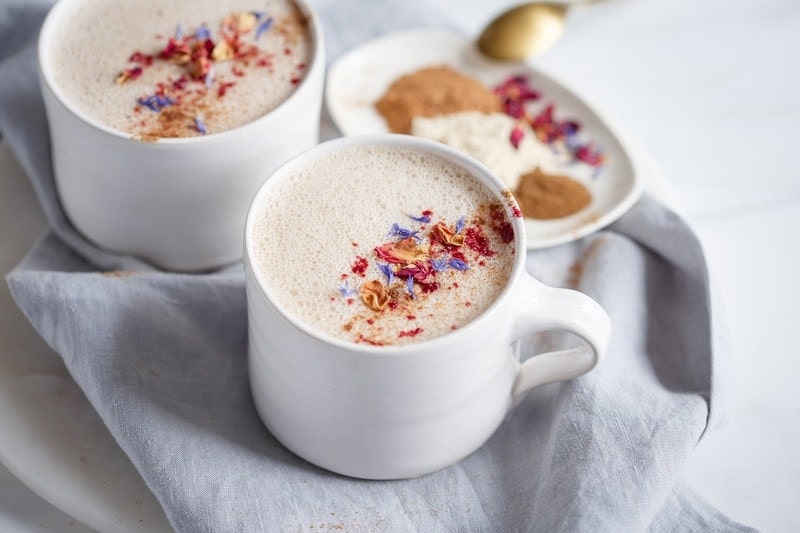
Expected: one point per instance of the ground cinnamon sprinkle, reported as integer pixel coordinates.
(173, 122)
(545, 196)
(293, 26)
(433, 91)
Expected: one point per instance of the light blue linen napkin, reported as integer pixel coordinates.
(162, 357)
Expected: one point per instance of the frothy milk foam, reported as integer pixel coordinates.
(328, 233)
(102, 40)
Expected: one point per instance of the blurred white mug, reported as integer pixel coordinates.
(177, 203)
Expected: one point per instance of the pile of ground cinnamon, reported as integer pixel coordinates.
(433, 91)
(545, 196)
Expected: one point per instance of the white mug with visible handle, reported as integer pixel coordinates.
(180, 203)
(390, 412)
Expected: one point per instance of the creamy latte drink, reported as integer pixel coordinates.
(382, 245)
(179, 68)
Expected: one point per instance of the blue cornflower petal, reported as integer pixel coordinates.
(203, 33)
(209, 80)
(387, 271)
(164, 101)
(258, 14)
(398, 231)
(439, 264)
(458, 264)
(410, 286)
(200, 125)
(179, 32)
(264, 26)
(155, 102)
(146, 102)
(346, 290)
(460, 224)
(572, 141)
(424, 218)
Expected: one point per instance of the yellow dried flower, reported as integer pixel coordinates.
(374, 295)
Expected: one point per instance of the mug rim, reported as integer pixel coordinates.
(54, 16)
(475, 167)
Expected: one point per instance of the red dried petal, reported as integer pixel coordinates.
(445, 235)
(359, 266)
(129, 74)
(403, 252)
(411, 333)
(141, 59)
(516, 136)
(589, 155)
(420, 271)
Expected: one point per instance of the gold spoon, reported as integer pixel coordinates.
(524, 30)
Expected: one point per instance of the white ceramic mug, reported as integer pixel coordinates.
(177, 203)
(403, 411)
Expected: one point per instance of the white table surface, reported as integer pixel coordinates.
(711, 91)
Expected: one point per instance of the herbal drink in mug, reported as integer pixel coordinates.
(392, 246)
(387, 295)
(165, 117)
(158, 69)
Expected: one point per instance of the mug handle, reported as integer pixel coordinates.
(548, 308)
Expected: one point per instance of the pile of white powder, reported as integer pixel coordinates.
(487, 138)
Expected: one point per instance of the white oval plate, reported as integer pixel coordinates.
(360, 77)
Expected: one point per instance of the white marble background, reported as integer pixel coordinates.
(711, 92)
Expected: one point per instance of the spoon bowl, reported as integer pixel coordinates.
(527, 29)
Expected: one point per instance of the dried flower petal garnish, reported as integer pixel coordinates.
(410, 333)
(346, 290)
(397, 231)
(439, 264)
(196, 51)
(240, 22)
(155, 102)
(141, 59)
(402, 252)
(458, 264)
(209, 79)
(200, 125)
(177, 51)
(447, 235)
(202, 33)
(262, 27)
(419, 270)
(411, 270)
(478, 242)
(410, 286)
(516, 136)
(223, 51)
(129, 74)
(387, 271)
(359, 266)
(460, 223)
(588, 154)
(425, 217)
(515, 93)
(374, 295)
